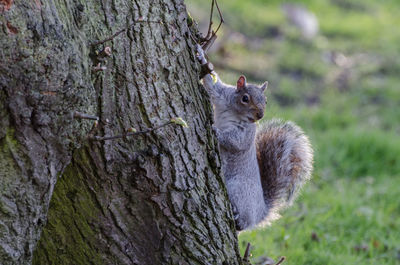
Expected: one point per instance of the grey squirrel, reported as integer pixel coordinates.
(264, 168)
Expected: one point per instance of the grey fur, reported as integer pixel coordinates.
(236, 134)
(285, 157)
(263, 173)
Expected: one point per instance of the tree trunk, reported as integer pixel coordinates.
(155, 198)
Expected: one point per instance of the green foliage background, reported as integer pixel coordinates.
(343, 88)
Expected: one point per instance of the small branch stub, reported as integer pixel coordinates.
(282, 259)
(247, 253)
(99, 68)
(106, 52)
(140, 20)
(80, 115)
(206, 68)
(209, 39)
(133, 131)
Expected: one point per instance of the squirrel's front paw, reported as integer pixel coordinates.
(238, 223)
(235, 212)
(200, 54)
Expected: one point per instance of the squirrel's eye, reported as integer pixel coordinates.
(245, 99)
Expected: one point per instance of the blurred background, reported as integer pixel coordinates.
(333, 67)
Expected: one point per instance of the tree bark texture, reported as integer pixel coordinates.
(157, 198)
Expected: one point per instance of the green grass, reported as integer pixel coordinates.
(350, 110)
(345, 215)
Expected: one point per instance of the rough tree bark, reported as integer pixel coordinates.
(158, 198)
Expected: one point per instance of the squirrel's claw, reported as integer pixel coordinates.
(235, 212)
(200, 54)
(216, 132)
(236, 216)
(206, 67)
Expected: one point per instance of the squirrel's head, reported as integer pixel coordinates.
(250, 99)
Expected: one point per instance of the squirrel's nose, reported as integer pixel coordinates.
(259, 115)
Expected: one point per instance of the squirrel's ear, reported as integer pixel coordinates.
(241, 83)
(264, 86)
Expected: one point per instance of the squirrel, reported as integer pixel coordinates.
(264, 168)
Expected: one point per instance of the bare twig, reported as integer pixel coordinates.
(99, 68)
(247, 253)
(209, 42)
(99, 138)
(280, 260)
(209, 39)
(123, 30)
(112, 36)
(209, 31)
(220, 16)
(80, 115)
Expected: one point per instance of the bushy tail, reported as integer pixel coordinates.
(285, 158)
